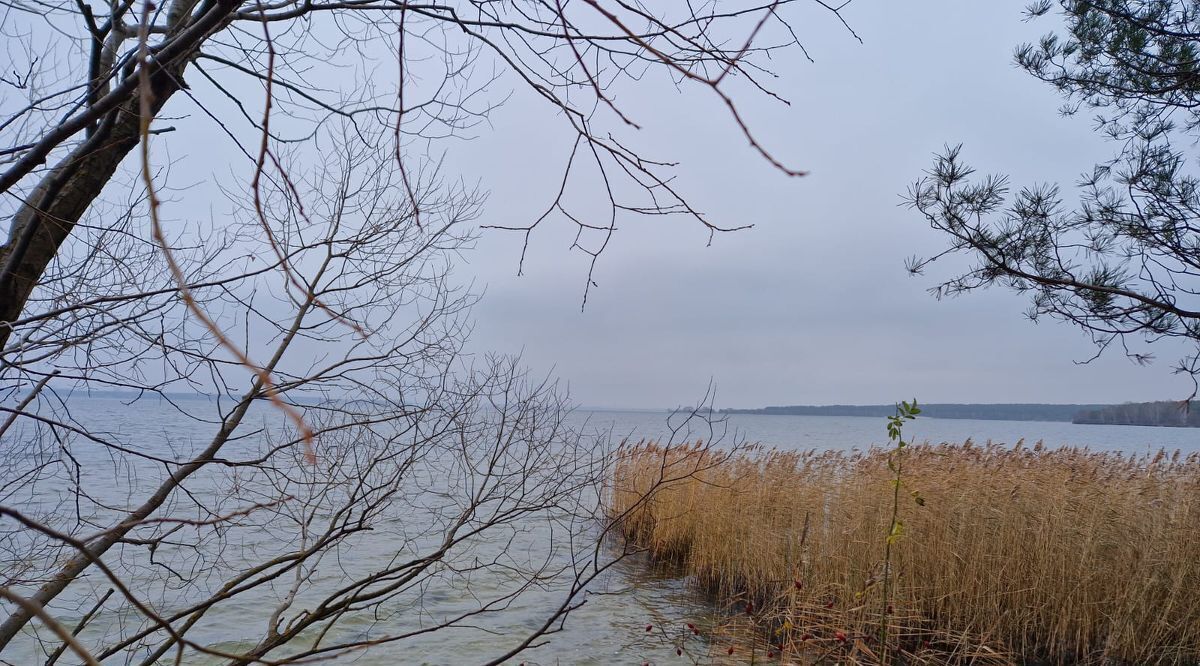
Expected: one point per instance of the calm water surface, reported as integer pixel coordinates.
(849, 432)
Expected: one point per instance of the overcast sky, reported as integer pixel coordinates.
(813, 304)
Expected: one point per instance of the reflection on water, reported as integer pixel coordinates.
(610, 626)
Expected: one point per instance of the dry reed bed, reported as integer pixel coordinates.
(1019, 554)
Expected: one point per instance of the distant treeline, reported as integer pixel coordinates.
(1144, 413)
(1017, 412)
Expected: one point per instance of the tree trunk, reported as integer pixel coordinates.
(50, 213)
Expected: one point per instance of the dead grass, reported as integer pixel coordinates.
(1019, 555)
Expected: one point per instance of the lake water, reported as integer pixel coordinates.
(610, 626)
(848, 432)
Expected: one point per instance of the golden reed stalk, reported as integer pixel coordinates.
(1018, 555)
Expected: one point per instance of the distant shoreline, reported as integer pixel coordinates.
(990, 412)
(1159, 414)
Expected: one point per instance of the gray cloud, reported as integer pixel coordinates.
(813, 304)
